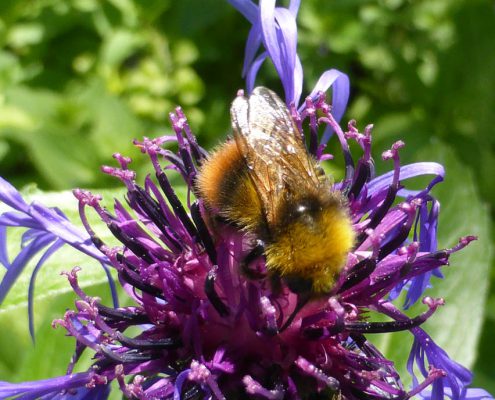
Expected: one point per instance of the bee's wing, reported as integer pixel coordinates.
(272, 146)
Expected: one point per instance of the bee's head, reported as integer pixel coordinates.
(311, 242)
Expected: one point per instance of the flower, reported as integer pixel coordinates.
(47, 228)
(276, 29)
(207, 331)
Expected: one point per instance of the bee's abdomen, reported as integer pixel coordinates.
(227, 190)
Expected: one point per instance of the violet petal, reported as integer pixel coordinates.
(406, 171)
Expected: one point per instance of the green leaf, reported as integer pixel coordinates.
(118, 46)
(113, 125)
(25, 34)
(456, 327)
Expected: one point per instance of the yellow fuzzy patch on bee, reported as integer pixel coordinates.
(315, 252)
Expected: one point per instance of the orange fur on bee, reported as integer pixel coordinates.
(226, 188)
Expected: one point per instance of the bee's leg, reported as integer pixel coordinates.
(276, 283)
(299, 285)
(256, 252)
(302, 300)
(213, 296)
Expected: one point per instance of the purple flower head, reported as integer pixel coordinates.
(201, 327)
(207, 330)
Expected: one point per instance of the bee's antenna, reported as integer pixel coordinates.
(302, 300)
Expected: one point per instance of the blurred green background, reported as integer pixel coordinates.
(80, 79)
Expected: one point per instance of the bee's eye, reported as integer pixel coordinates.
(307, 206)
(304, 211)
(301, 208)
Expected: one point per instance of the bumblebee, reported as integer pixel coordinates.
(265, 182)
